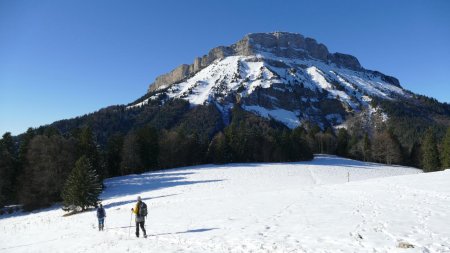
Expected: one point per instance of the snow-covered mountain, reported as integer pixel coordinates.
(283, 76)
(273, 207)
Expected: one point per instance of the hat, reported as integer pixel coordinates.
(139, 198)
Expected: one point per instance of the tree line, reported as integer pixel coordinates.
(47, 165)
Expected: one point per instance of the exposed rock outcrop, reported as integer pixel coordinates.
(345, 60)
(173, 76)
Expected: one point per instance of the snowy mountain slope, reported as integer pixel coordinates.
(292, 207)
(271, 73)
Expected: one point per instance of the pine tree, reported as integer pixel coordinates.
(22, 161)
(24, 144)
(82, 187)
(88, 147)
(366, 148)
(342, 145)
(430, 158)
(8, 166)
(196, 149)
(218, 151)
(148, 147)
(301, 148)
(113, 155)
(131, 161)
(415, 155)
(286, 146)
(446, 150)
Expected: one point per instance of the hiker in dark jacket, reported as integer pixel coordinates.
(140, 216)
(101, 214)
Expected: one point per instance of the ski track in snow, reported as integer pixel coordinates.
(273, 207)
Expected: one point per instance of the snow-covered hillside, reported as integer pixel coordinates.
(279, 207)
(283, 76)
(250, 72)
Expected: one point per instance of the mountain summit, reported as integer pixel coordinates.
(284, 76)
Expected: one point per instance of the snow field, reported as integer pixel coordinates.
(275, 207)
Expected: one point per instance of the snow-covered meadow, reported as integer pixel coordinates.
(275, 207)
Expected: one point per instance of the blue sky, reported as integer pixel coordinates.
(61, 59)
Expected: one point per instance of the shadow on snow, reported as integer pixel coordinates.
(332, 160)
(200, 230)
(135, 184)
(125, 202)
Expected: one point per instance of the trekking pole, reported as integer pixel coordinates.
(129, 228)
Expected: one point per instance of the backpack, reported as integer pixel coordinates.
(143, 210)
(100, 213)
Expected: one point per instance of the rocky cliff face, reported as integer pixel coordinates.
(284, 76)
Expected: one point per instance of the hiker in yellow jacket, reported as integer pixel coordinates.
(141, 211)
